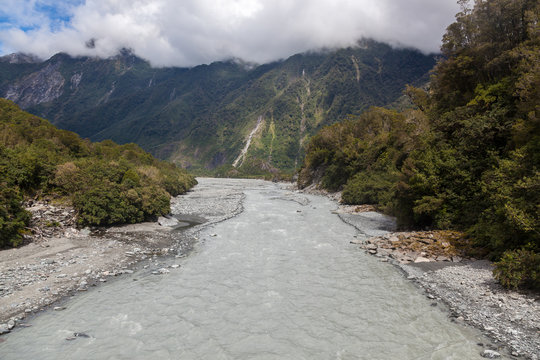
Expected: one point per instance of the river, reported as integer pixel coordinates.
(278, 281)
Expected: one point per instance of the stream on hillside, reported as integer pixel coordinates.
(278, 281)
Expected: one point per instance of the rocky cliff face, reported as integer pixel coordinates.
(45, 85)
(19, 58)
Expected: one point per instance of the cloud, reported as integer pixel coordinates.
(191, 32)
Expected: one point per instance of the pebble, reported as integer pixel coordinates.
(490, 354)
(59, 308)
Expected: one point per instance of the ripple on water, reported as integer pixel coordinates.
(274, 284)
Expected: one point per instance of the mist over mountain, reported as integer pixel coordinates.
(202, 117)
(194, 32)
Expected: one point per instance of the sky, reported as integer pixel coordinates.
(193, 32)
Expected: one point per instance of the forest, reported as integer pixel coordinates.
(106, 183)
(466, 156)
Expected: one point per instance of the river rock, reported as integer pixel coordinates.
(170, 222)
(11, 324)
(490, 354)
(4, 329)
(160, 271)
(421, 259)
(442, 258)
(371, 247)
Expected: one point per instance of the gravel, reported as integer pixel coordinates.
(510, 319)
(60, 260)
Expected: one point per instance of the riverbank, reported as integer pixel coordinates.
(466, 286)
(59, 260)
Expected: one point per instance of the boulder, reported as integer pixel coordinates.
(490, 354)
(167, 221)
(4, 329)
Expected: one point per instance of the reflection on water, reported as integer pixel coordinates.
(279, 281)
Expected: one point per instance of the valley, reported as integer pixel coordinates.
(201, 117)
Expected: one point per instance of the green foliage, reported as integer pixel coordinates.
(106, 183)
(200, 117)
(13, 218)
(472, 163)
(371, 188)
(370, 147)
(519, 269)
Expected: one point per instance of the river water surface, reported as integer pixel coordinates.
(279, 281)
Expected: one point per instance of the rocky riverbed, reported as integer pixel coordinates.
(59, 260)
(466, 286)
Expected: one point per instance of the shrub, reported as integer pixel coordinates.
(370, 188)
(13, 218)
(105, 204)
(519, 269)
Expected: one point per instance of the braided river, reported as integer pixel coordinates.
(278, 281)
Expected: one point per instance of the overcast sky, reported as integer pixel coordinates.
(192, 32)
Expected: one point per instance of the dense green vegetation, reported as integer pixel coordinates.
(106, 183)
(200, 117)
(467, 158)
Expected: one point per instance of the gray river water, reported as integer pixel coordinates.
(279, 281)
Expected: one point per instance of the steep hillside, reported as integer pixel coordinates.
(468, 157)
(105, 182)
(202, 117)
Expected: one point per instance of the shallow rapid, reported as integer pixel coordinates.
(278, 281)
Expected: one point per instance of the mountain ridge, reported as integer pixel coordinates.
(201, 117)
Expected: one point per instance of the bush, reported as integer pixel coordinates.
(370, 188)
(13, 218)
(106, 183)
(105, 205)
(519, 269)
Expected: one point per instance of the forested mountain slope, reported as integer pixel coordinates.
(202, 116)
(468, 157)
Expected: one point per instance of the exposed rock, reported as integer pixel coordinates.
(80, 334)
(41, 86)
(490, 354)
(167, 221)
(160, 271)
(4, 329)
(420, 259)
(20, 58)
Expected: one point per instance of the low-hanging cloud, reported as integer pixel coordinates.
(192, 32)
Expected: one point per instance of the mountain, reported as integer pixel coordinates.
(257, 118)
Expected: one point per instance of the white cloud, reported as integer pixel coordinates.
(191, 32)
